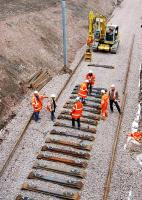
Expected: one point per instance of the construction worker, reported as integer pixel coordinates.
(91, 78)
(83, 91)
(89, 40)
(114, 98)
(51, 106)
(136, 136)
(37, 104)
(76, 112)
(104, 104)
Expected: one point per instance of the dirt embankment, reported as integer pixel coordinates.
(31, 38)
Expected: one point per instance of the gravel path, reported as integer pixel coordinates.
(124, 179)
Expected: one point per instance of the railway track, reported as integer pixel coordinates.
(70, 148)
(64, 157)
(118, 129)
(16, 145)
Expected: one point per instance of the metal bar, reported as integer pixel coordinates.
(82, 119)
(97, 89)
(86, 109)
(88, 116)
(63, 160)
(79, 136)
(103, 66)
(64, 25)
(66, 152)
(92, 95)
(73, 172)
(94, 92)
(85, 129)
(64, 195)
(97, 106)
(67, 183)
(69, 143)
(92, 99)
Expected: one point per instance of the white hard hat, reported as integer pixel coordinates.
(112, 86)
(90, 72)
(103, 91)
(77, 99)
(86, 81)
(53, 96)
(36, 92)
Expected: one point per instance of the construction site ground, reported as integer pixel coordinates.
(126, 179)
(31, 38)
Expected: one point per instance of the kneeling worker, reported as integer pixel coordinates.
(76, 112)
(104, 104)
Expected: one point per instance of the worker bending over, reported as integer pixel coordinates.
(83, 91)
(76, 112)
(114, 98)
(37, 104)
(51, 106)
(91, 80)
(104, 104)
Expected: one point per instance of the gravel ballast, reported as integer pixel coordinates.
(126, 175)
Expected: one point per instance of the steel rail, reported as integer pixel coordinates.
(118, 128)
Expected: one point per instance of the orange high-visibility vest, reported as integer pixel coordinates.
(136, 135)
(91, 78)
(89, 40)
(83, 90)
(37, 103)
(104, 102)
(77, 110)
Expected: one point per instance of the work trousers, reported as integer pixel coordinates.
(52, 115)
(82, 100)
(116, 104)
(36, 116)
(90, 88)
(78, 122)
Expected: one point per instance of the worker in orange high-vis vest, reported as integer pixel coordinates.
(76, 112)
(104, 104)
(91, 78)
(136, 135)
(83, 91)
(37, 104)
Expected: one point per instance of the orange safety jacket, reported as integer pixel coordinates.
(91, 78)
(77, 110)
(136, 135)
(83, 91)
(37, 103)
(89, 40)
(104, 102)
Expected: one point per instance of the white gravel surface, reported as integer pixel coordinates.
(127, 174)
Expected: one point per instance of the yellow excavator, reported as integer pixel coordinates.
(105, 37)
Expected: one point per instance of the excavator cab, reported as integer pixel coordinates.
(111, 34)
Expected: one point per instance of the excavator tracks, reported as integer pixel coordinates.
(63, 159)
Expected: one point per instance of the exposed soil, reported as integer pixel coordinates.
(31, 38)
